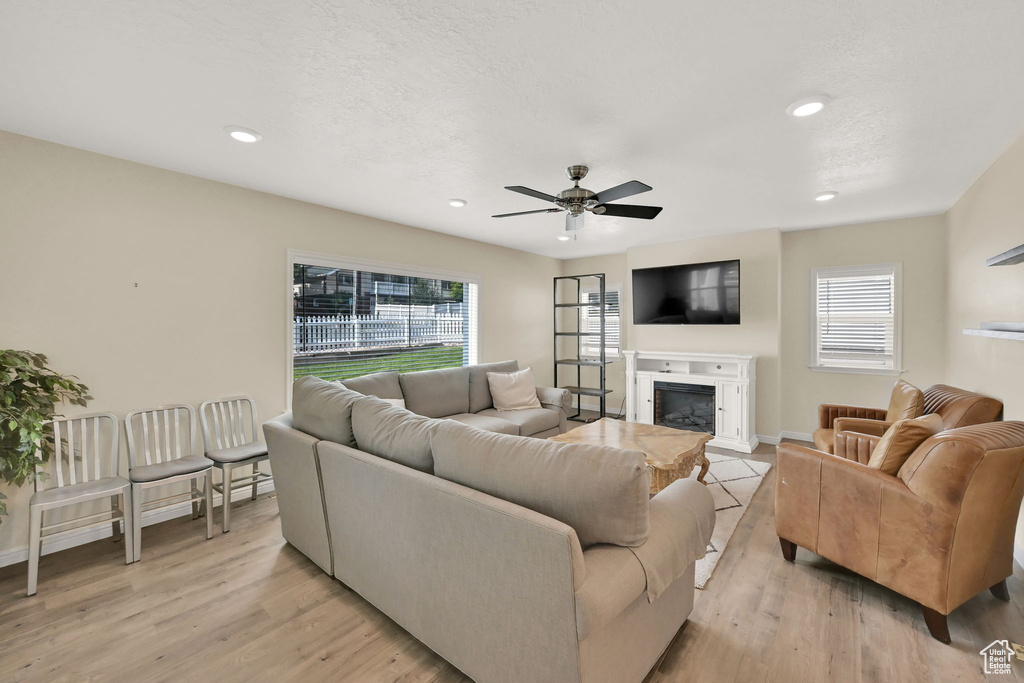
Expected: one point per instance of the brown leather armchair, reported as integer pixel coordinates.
(956, 407)
(939, 532)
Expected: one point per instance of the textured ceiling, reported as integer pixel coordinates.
(389, 108)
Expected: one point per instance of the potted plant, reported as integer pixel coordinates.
(30, 394)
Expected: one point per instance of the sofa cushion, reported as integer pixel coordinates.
(601, 492)
(513, 390)
(487, 423)
(530, 422)
(393, 433)
(479, 390)
(902, 439)
(436, 393)
(323, 409)
(906, 402)
(379, 384)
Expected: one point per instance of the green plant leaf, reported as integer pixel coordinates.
(31, 393)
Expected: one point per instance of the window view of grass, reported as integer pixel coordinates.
(341, 367)
(349, 322)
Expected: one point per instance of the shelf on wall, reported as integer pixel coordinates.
(1014, 331)
(1008, 258)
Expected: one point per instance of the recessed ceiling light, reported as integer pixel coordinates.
(826, 196)
(457, 203)
(564, 238)
(243, 134)
(808, 106)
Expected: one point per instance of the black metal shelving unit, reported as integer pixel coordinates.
(579, 362)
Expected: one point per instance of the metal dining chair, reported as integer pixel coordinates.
(231, 438)
(84, 467)
(161, 451)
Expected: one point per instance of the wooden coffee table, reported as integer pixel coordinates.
(671, 453)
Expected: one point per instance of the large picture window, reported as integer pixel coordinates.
(856, 318)
(351, 318)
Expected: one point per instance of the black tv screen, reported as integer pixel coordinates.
(689, 294)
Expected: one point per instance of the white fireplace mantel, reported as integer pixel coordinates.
(732, 375)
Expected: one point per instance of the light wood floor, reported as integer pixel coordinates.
(246, 606)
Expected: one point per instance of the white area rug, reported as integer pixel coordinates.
(733, 483)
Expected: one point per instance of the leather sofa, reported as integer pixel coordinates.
(463, 394)
(956, 407)
(939, 532)
(516, 559)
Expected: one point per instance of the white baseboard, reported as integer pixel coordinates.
(72, 539)
(769, 440)
(611, 408)
(1018, 554)
(796, 436)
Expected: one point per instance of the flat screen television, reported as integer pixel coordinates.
(688, 294)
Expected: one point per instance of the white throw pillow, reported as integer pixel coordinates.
(513, 390)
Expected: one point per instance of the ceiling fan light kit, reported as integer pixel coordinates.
(576, 200)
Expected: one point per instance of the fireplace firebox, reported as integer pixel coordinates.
(685, 406)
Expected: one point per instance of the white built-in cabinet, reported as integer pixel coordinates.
(732, 376)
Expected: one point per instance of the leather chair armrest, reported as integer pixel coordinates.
(871, 523)
(551, 397)
(862, 425)
(800, 493)
(828, 412)
(856, 437)
(865, 520)
(855, 446)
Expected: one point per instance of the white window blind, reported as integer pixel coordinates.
(352, 321)
(856, 318)
(590, 321)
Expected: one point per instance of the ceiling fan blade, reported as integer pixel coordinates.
(532, 193)
(523, 213)
(628, 211)
(621, 191)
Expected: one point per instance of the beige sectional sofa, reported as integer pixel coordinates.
(463, 395)
(515, 559)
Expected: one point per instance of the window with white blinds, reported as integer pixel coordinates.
(590, 321)
(352, 319)
(856, 318)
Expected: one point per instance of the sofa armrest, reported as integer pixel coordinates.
(828, 412)
(682, 517)
(855, 446)
(297, 484)
(551, 397)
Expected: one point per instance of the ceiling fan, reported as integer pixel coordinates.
(578, 199)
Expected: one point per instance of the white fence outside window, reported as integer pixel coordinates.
(317, 334)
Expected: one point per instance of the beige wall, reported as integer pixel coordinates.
(79, 230)
(208, 316)
(758, 333)
(775, 301)
(920, 245)
(988, 220)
